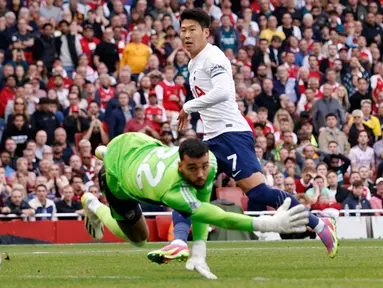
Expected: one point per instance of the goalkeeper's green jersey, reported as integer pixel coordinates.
(142, 168)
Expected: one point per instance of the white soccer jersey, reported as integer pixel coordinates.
(212, 84)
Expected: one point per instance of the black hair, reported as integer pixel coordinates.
(330, 142)
(47, 24)
(196, 14)
(94, 101)
(63, 22)
(289, 159)
(56, 143)
(318, 177)
(19, 115)
(6, 151)
(194, 148)
(348, 11)
(331, 115)
(41, 185)
(258, 124)
(10, 76)
(166, 15)
(357, 183)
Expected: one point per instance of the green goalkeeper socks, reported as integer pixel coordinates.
(103, 213)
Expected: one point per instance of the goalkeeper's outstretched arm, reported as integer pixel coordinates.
(285, 220)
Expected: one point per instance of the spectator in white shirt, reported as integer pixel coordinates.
(361, 154)
(43, 205)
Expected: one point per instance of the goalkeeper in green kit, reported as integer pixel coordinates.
(138, 168)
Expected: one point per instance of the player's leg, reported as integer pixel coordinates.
(177, 249)
(181, 227)
(124, 217)
(236, 156)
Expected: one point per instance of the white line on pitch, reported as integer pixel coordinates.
(210, 249)
(73, 277)
(260, 279)
(215, 242)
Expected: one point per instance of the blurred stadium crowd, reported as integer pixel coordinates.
(74, 75)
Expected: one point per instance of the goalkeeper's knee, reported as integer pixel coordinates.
(139, 244)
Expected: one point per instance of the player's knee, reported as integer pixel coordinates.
(139, 238)
(139, 244)
(138, 233)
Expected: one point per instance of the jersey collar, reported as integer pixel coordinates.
(202, 52)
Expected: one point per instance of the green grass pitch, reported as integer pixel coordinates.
(237, 264)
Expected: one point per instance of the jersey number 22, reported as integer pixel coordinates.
(144, 168)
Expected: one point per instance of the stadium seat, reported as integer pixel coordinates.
(78, 138)
(233, 194)
(163, 224)
(244, 202)
(153, 233)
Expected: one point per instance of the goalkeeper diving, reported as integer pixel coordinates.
(138, 168)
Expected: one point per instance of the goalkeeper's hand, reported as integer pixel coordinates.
(285, 220)
(200, 265)
(198, 260)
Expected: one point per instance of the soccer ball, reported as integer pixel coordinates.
(100, 152)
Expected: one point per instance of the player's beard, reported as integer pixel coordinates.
(196, 186)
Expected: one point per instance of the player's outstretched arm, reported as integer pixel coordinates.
(285, 220)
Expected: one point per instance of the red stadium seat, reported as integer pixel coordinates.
(153, 233)
(244, 202)
(78, 138)
(346, 180)
(163, 224)
(233, 194)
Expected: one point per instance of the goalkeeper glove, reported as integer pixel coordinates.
(285, 220)
(197, 261)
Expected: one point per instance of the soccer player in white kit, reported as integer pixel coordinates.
(227, 133)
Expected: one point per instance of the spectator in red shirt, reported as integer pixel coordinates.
(78, 187)
(305, 181)
(170, 95)
(8, 93)
(140, 124)
(292, 69)
(314, 68)
(155, 112)
(88, 165)
(242, 108)
(89, 42)
(59, 70)
(105, 92)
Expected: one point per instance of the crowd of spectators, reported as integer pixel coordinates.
(74, 75)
